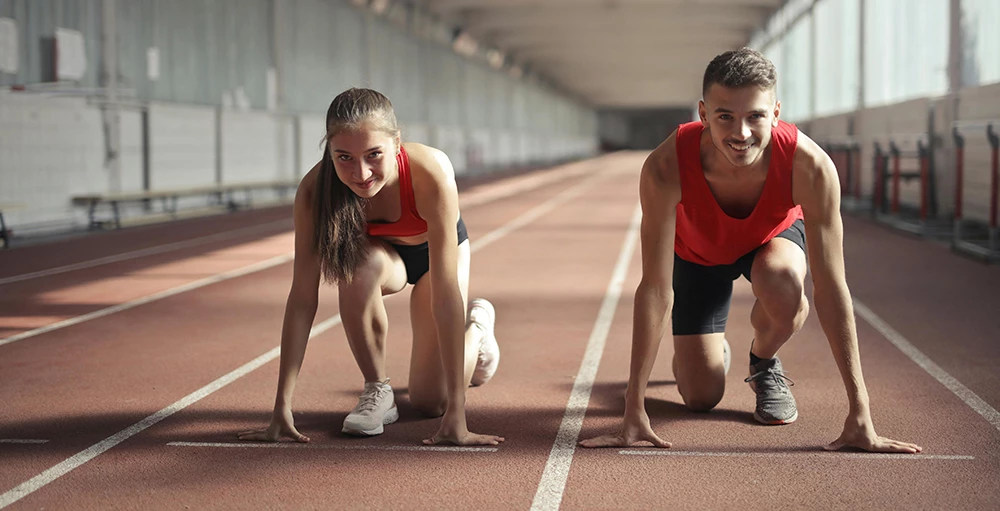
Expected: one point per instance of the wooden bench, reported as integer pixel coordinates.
(4, 233)
(225, 195)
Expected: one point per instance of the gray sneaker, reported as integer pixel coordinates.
(775, 403)
(376, 408)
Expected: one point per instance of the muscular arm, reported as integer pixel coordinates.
(659, 194)
(816, 187)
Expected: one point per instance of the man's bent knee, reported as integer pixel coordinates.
(702, 399)
(701, 403)
(780, 287)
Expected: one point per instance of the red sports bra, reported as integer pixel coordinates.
(409, 223)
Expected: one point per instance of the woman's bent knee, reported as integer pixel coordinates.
(429, 407)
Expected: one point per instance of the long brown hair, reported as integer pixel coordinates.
(340, 237)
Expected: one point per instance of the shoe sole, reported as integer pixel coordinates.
(478, 378)
(391, 416)
(727, 356)
(488, 307)
(761, 420)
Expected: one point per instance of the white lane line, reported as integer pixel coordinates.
(57, 471)
(22, 441)
(37, 482)
(142, 253)
(518, 185)
(967, 396)
(239, 272)
(296, 445)
(534, 213)
(824, 455)
(553, 482)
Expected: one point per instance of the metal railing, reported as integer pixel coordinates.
(989, 250)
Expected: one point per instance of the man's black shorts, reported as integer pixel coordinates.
(702, 293)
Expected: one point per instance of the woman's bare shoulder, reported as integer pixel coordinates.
(429, 162)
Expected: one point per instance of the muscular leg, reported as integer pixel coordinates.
(700, 310)
(698, 369)
(428, 391)
(363, 312)
(778, 276)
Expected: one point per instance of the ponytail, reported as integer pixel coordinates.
(340, 236)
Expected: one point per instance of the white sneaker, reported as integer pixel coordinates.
(727, 355)
(482, 313)
(376, 407)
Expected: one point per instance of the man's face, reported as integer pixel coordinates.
(739, 121)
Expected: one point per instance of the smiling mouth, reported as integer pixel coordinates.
(367, 184)
(740, 147)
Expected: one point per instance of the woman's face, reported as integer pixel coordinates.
(365, 159)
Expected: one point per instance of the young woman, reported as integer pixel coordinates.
(371, 217)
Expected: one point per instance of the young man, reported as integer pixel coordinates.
(740, 193)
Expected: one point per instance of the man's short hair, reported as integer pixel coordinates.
(740, 68)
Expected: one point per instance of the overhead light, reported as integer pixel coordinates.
(380, 6)
(463, 43)
(495, 58)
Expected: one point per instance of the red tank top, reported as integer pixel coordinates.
(409, 223)
(708, 236)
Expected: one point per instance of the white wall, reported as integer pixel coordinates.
(50, 148)
(131, 151)
(182, 146)
(256, 146)
(311, 131)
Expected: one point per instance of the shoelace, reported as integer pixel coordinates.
(778, 376)
(368, 400)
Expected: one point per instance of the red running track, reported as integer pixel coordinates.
(127, 367)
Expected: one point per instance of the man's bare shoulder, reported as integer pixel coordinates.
(662, 162)
(810, 160)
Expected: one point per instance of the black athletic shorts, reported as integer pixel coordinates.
(416, 258)
(702, 293)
